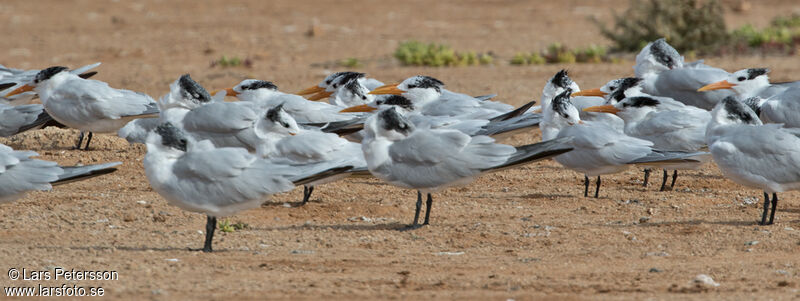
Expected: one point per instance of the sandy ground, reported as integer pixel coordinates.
(523, 234)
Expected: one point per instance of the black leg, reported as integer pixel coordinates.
(80, 141)
(586, 186)
(766, 208)
(674, 176)
(774, 207)
(419, 207)
(211, 225)
(429, 203)
(664, 181)
(307, 190)
(646, 177)
(597, 190)
(88, 140)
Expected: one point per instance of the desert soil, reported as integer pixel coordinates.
(526, 233)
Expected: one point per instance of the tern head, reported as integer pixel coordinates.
(250, 89)
(420, 89)
(277, 121)
(746, 82)
(557, 85)
(353, 91)
(167, 136)
(389, 124)
(561, 112)
(656, 57)
(731, 110)
(184, 93)
(618, 89)
(328, 86)
(41, 77)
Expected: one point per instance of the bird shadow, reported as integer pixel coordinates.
(352, 227)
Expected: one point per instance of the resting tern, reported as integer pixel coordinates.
(327, 88)
(20, 173)
(20, 77)
(561, 82)
(665, 74)
(432, 159)
(198, 177)
(776, 103)
(265, 95)
(17, 119)
(598, 148)
(670, 125)
(87, 105)
(283, 141)
(753, 154)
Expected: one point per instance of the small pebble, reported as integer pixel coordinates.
(705, 280)
(656, 270)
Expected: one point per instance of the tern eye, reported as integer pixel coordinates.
(412, 86)
(741, 78)
(612, 88)
(363, 97)
(284, 124)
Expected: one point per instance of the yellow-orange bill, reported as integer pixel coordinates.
(20, 90)
(590, 92)
(320, 95)
(228, 92)
(602, 109)
(358, 108)
(310, 90)
(387, 89)
(723, 84)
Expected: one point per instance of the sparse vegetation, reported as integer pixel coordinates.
(350, 62)
(232, 61)
(686, 24)
(782, 35)
(227, 227)
(559, 54)
(417, 53)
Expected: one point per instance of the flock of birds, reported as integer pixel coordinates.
(219, 157)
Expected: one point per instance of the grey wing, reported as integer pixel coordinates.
(760, 152)
(96, 99)
(136, 130)
(79, 173)
(682, 84)
(674, 130)
(220, 117)
(16, 119)
(19, 173)
(83, 69)
(783, 108)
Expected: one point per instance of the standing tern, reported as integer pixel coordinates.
(429, 160)
(20, 77)
(670, 125)
(763, 156)
(198, 177)
(777, 103)
(20, 173)
(283, 141)
(87, 105)
(598, 148)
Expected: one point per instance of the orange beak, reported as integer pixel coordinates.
(358, 108)
(20, 90)
(311, 90)
(387, 89)
(603, 109)
(320, 95)
(723, 84)
(228, 92)
(591, 92)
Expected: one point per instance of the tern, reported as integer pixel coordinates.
(561, 82)
(598, 148)
(283, 141)
(20, 173)
(327, 88)
(87, 105)
(776, 103)
(429, 160)
(20, 77)
(763, 156)
(21, 118)
(198, 177)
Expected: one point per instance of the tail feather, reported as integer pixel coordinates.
(535, 152)
(322, 175)
(516, 112)
(485, 97)
(513, 124)
(78, 173)
(41, 121)
(658, 156)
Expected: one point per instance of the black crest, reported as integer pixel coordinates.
(349, 76)
(624, 84)
(425, 82)
(398, 100)
(754, 103)
(561, 79)
(274, 114)
(738, 111)
(664, 53)
(354, 87)
(561, 102)
(334, 76)
(756, 72)
(640, 101)
(46, 74)
(393, 121)
(192, 90)
(258, 84)
(171, 136)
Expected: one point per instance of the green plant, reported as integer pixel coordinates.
(233, 61)
(783, 31)
(227, 227)
(416, 53)
(350, 62)
(686, 24)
